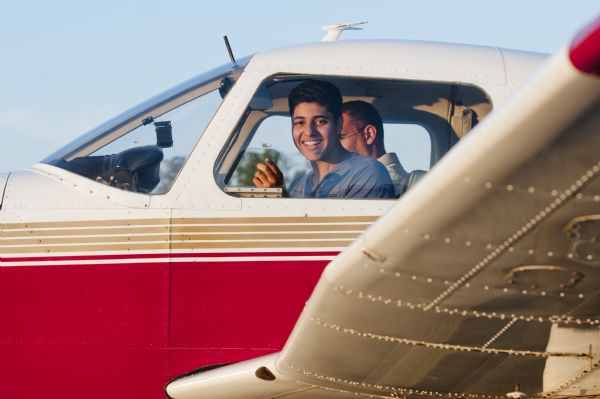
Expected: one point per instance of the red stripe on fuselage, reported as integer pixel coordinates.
(164, 255)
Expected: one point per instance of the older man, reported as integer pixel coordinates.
(362, 133)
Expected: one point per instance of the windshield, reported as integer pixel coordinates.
(144, 148)
(132, 118)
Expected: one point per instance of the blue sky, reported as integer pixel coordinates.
(67, 66)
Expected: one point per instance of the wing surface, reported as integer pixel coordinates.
(483, 281)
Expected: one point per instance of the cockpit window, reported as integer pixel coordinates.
(154, 153)
(144, 149)
(411, 143)
(420, 122)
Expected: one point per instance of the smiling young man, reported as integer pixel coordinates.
(316, 111)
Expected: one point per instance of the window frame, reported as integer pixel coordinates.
(242, 136)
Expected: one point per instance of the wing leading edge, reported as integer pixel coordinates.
(483, 281)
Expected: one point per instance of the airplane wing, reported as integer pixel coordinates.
(482, 282)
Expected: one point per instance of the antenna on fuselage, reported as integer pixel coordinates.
(333, 32)
(231, 57)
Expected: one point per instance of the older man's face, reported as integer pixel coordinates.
(353, 136)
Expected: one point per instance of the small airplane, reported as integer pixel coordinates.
(139, 260)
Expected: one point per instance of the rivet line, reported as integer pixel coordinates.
(552, 207)
(561, 319)
(391, 390)
(500, 333)
(432, 280)
(442, 346)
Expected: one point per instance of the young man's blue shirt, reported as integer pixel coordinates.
(355, 177)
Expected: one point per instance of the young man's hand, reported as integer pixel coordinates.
(267, 175)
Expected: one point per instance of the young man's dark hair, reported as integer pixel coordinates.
(317, 91)
(365, 114)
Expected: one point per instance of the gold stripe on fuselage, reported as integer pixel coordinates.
(190, 233)
(181, 229)
(192, 221)
(176, 245)
(173, 238)
(83, 232)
